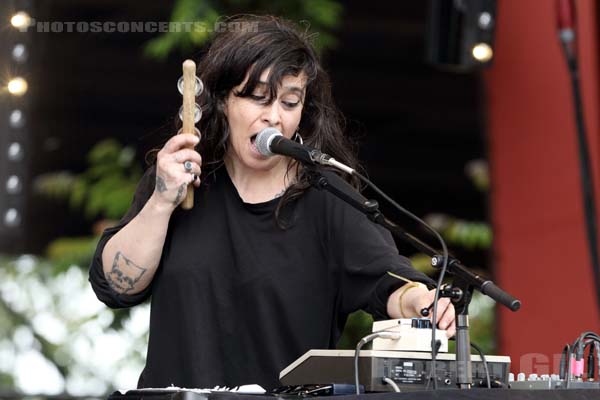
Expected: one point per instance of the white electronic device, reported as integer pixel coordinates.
(415, 335)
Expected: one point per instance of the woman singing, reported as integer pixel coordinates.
(263, 267)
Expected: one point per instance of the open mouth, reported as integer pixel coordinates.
(253, 143)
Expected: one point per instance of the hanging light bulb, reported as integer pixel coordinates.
(482, 52)
(17, 86)
(16, 119)
(15, 151)
(20, 53)
(12, 218)
(13, 185)
(20, 20)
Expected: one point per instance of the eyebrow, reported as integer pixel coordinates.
(285, 88)
(293, 89)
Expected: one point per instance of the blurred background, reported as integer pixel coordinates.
(463, 112)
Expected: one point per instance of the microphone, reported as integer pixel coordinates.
(270, 142)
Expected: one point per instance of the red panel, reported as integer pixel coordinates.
(541, 253)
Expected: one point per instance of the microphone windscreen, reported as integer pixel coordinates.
(263, 141)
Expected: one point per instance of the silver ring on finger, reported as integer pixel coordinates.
(188, 166)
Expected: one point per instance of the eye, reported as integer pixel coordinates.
(258, 97)
(290, 104)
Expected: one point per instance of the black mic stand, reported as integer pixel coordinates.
(464, 283)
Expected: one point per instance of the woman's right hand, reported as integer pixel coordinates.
(172, 179)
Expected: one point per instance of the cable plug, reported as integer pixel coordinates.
(591, 365)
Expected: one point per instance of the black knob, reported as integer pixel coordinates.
(421, 323)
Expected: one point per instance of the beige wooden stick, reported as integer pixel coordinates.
(189, 108)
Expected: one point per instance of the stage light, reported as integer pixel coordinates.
(13, 185)
(17, 86)
(460, 34)
(485, 20)
(20, 20)
(12, 218)
(19, 53)
(16, 119)
(482, 52)
(15, 152)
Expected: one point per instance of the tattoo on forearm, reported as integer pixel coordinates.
(179, 193)
(161, 186)
(124, 274)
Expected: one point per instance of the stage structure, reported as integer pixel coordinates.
(15, 104)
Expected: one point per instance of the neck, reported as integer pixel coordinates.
(256, 186)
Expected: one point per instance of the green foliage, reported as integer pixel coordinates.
(458, 232)
(357, 326)
(65, 252)
(6, 380)
(104, 190)
(422, 263)
(56, 185)
(204, 16)
(320, 17)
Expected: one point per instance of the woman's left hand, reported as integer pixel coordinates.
(415, 299)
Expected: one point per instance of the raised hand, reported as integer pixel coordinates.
(177, 166)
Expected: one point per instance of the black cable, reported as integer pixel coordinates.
(485, 364)
(577, 351)
(563, 361)
(585, 167)
(433, 373)
(592, 341)
(591, 366)
(578, 346)
(568, 373)
(597, 348)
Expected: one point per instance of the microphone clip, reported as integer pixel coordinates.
(318, 157)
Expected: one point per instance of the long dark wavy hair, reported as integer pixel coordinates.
(248, 45)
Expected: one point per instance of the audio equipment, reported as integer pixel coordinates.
(409, 370)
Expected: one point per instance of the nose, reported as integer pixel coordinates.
(271, 114)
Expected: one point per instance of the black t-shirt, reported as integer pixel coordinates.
(236, 298)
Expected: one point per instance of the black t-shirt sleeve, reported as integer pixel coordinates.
(96, 274)
(366, 252)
